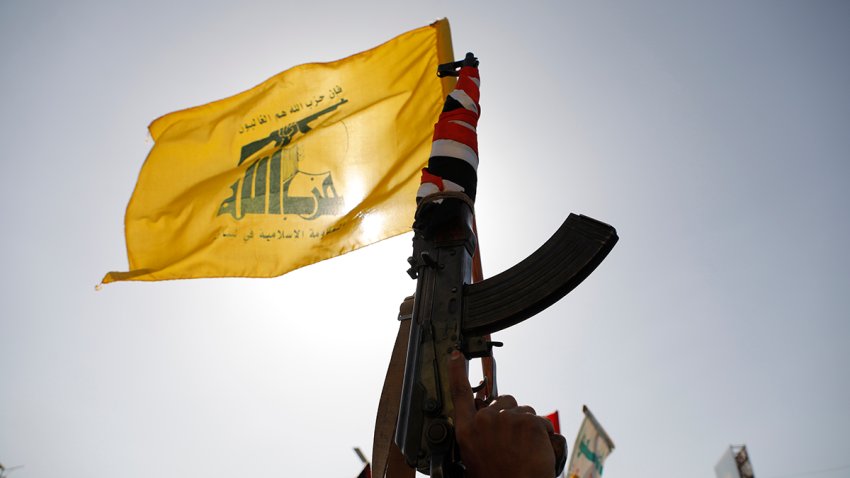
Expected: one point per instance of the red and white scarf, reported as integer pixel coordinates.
(453, 164)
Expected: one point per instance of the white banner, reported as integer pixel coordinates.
(591, 449)
(726, 466)
(735, 463)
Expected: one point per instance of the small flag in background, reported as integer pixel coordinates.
(367, 467)
(556, 421)
(366, 473)
(591, 449)
(317, 161)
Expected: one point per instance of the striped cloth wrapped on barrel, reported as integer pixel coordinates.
(453, 163)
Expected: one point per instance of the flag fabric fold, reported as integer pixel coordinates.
(317, 161)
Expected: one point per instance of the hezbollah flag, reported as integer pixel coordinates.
(315, 162)
(591, 449)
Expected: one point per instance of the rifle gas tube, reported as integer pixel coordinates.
(450, 69)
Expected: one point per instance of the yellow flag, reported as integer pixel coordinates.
(315, 162)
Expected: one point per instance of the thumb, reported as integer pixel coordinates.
(461, 391)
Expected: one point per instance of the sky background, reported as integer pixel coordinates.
(715, 136)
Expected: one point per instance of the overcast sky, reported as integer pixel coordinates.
(715, 136)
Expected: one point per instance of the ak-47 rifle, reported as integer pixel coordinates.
(451, 312)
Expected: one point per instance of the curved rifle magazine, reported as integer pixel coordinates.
(543, 278)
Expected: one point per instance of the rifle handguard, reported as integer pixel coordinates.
(543, 278)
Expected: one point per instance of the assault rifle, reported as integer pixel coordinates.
(451, 312)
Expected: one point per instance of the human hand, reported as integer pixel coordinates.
(501, 439)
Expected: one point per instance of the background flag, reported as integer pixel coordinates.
(735, 463)
(556, 421)
(315, 162)
(366, 472)
(591, 449)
